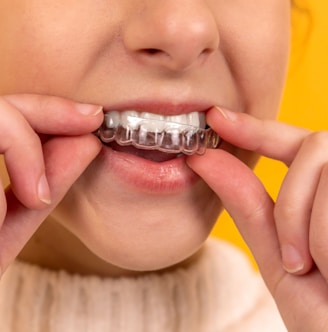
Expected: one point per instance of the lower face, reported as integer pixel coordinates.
(130, 211)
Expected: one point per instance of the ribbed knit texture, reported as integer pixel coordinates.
(219, 292)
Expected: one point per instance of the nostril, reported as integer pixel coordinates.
(155, 55)
(154, 51)
(151, 51)
(208, 51)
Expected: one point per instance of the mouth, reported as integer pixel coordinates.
(157, 137)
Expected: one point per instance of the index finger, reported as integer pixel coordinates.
(246, 200)
(56, 115)
(269, 138)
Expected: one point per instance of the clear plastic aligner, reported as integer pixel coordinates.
(171, 134)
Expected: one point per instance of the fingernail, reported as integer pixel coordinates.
(43, 190)
(89, 110)
(292, 259)
(229, 115)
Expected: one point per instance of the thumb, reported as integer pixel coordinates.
(269, 138)
(65, 159)
(246, 200)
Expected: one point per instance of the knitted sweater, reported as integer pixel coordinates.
(219, 292)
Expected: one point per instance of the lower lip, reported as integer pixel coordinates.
(147, 176)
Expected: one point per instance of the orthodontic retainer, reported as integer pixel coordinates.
(143, 132)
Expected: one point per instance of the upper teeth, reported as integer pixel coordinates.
(154, 122)
(172, 134)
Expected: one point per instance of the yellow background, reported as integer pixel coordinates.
(305, 101)
(304, 104)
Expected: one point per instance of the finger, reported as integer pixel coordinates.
(295, 202)
(252, 210)
(65, 158)
(283, 142)
(319, 224)
(22, 152)
(54, 115)
(246, 200)
(22, 115)
(269, 138)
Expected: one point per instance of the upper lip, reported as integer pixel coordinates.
(160, 107)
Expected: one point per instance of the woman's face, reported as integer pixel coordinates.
(167, 57)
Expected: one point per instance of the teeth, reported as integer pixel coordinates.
(129, 119)
(184, 133)
(153, 122)
(113, 120)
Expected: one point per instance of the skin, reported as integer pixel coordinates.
(115, 228)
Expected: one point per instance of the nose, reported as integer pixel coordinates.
(173, 34)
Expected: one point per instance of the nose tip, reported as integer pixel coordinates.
(173, 37)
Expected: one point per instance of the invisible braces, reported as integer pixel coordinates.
(165, 136)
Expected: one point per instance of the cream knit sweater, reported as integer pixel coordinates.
(218, 293)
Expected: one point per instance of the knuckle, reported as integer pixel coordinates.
(256, 209)
(25, 139)
(45, 103)
(318, 139)
(284, 211)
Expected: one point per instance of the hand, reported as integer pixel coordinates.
(287, 236)
(46, 143)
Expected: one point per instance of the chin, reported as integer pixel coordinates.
(140, 231)
(142, 253)
(153, 239)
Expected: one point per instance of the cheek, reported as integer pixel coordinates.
(256, 45)
(42, 57)
(33, 62)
